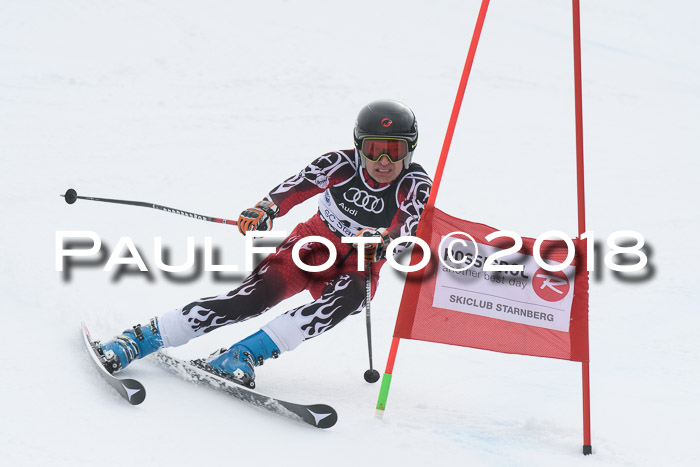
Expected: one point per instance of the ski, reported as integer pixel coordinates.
(131, 390)
(318, 415)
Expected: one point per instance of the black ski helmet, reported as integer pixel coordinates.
(387, 118)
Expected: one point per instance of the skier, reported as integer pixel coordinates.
(373, 190)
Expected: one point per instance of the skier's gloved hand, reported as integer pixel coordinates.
(258, 217)
(375, 251)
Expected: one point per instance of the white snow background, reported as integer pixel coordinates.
(204, 106)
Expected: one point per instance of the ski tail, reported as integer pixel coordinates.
(131, 390)
(317, 415)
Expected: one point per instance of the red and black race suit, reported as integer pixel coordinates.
(350, 201)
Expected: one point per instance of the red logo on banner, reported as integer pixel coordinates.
(550, 285)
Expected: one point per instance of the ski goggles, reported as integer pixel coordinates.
(394, 149)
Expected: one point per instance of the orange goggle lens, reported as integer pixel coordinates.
(374, 148)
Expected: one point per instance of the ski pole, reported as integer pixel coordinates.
(71, 196)
(371, 375)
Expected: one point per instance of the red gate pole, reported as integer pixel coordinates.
(458, 102)
(386, 379)
(587, 447)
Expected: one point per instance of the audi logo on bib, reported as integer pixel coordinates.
(364, 200)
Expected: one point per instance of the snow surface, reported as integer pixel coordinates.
(205, 105)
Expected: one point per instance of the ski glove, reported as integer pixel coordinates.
(258, 217)
(375, 251)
